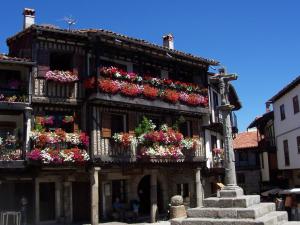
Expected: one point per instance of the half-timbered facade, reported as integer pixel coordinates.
(114, 118)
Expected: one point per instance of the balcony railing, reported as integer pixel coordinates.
(114, 152)
(45, 90)
(11, 153)
(13, 95)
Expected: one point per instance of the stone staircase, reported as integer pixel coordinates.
(234, 208)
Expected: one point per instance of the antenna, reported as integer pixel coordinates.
(70, 21)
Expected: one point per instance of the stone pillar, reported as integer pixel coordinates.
(153, 196)
(199, 190)
(68, 201)
(94, 179)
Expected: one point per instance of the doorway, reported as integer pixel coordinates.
(81, 201)
(47, 201)
(144, 193)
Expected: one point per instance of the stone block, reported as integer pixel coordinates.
(231, 193)
(177, 211)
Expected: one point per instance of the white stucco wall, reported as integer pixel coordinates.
(287, 129)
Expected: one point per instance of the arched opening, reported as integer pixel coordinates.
(144, 194)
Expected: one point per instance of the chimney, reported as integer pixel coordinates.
(168, 41)
(268, 104)
(29, 17)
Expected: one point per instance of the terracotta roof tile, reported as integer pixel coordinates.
(245, 140)
(6, 58)
(85, 32)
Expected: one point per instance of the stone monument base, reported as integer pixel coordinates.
(234, 208)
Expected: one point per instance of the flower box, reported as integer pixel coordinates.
(61, 76)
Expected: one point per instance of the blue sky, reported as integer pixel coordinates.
(258, 40)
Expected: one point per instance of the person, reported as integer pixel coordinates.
(135, 208)
(118, 209)
(24, 203)
(288, 205)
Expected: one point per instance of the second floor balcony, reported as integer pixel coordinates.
(118, 87)
(57, 86)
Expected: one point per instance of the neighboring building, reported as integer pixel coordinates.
(70, 87)
(271, 177)
(247, 163)
(287, 130)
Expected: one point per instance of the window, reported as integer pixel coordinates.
(117, 123)
(282, 112)
(296, 104)
(110, 63)
(213, 142)
(119, 190)
(183, 190)
(298, 143)
(286, 152)
(10, 82)
(58, 121)
(60, 61)
(215, 100)
(186, 129)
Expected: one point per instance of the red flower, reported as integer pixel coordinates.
(171, 96)
(89, 82)
(129, 89)
(109, 86)
(84, 138)
(150, 92)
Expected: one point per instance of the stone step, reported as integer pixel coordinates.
(252, 212)
(292, 223)
(273, 218)
(237, 202)
(277, 217)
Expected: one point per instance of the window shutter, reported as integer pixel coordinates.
(195, 128)
(131, 123)
(106, 125)
(76, 122)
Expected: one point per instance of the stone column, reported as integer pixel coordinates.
(68, 201)
(58, 203)
(94, 179)
(153, 196)
(199, 190)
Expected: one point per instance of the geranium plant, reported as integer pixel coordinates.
(61, 76)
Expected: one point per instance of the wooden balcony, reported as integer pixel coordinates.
(55, 92)
(13, 99)
(11, 157)
(146, 104)
(109, 151)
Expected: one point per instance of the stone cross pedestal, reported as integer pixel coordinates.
(232, 207)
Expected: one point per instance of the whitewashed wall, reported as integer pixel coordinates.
(287, 129)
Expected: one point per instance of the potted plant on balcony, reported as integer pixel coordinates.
(218, 156)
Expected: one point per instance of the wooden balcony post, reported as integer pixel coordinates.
(94, 179)
(68, 201)
(153, 194)
(27, 129)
